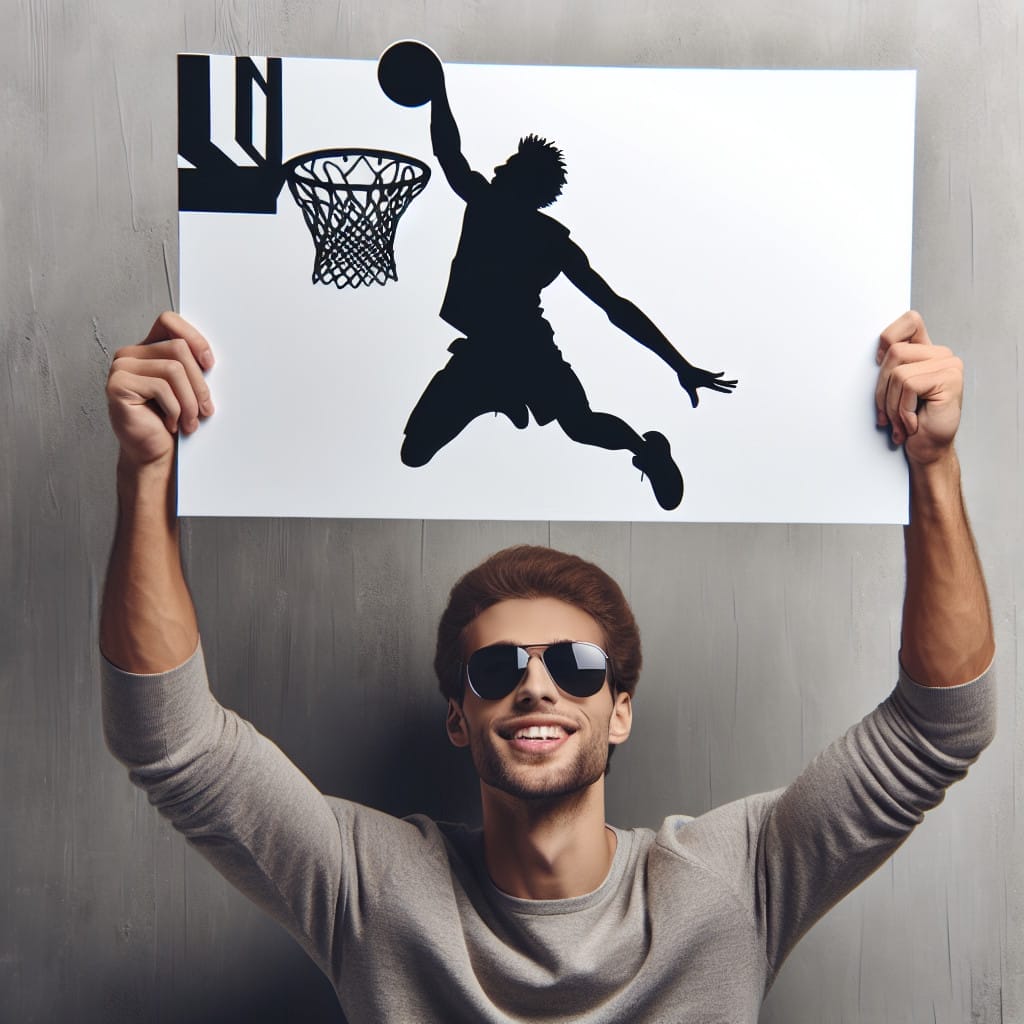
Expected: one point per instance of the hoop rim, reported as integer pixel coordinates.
(292, 167)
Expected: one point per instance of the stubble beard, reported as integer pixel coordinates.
(536, 781)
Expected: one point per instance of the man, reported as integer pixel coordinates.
(508, 362)
(547, 913)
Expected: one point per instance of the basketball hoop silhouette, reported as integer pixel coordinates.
(352, 200)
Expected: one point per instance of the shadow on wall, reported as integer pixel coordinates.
(273, 989)
(416, 771)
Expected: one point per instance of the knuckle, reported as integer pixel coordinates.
(168, 398)
(174, 370)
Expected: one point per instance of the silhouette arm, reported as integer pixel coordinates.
(447, 145)
(629, 318)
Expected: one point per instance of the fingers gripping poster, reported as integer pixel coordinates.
(441, 290)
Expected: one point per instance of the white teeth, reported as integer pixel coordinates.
(541, 732)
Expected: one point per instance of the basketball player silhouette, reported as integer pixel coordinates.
(507, 254)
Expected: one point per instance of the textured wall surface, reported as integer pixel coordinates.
(762, 642)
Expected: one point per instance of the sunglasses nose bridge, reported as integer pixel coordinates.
(535, 653)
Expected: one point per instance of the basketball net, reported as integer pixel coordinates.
(352, 200)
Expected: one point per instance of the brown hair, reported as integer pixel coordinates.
(524, 572)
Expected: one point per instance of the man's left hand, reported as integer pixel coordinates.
(919, 391)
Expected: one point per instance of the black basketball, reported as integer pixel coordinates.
(410, 73)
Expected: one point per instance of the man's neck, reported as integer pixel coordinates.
(547, 849)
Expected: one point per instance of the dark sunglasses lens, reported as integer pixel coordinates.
(494, 672)
(578, 668)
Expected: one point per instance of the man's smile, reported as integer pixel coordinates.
(540, 732)
(536, 735)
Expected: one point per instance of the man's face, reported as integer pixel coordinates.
(538, 742)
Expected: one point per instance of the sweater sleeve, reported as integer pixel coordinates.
(232, 793)
(858, 800)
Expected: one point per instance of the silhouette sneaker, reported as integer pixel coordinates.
(656, 461)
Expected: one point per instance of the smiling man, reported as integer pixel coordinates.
(548, 912)
(539, 718)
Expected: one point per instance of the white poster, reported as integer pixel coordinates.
(471, 336)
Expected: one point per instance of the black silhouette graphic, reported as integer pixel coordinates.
(215, 182)
(507, 254)
(351, 199)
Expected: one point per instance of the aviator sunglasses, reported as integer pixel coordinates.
(576, 667)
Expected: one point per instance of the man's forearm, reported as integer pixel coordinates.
(947, 627)
(147, 621)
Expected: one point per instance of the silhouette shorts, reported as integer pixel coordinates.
(489, 376)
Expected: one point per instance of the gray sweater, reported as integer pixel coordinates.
(691, 924)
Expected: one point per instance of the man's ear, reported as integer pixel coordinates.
(622, 719)
(455, 723)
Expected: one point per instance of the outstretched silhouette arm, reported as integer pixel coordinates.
(632, 320)
(444, 136)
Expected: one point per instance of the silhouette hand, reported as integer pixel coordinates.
(693, 377)
(919, 391)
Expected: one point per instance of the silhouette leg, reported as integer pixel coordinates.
(601, 429)
(439, 417)
(651, 453)
(455, 396)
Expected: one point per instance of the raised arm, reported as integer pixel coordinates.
(858, 800)
(155, 391)
(229, 790)
(444, 136)
(947, 627)
(629, 318)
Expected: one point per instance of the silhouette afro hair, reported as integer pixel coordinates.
(540, 170)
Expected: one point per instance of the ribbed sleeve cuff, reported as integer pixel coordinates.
(960, 720)
(144, 716)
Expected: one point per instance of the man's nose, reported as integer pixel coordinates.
(536, 684)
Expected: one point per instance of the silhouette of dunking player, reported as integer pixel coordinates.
(508, 362)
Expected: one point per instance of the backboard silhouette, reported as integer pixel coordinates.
(230, 140)
(230, 166)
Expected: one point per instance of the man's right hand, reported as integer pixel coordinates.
(157, 388)
(154, 390)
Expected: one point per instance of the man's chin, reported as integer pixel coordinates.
(533, 785)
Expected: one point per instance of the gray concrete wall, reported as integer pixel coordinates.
(763, 642)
